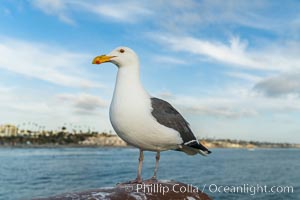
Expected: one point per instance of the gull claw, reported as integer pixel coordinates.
(135, 181)
(150, 181)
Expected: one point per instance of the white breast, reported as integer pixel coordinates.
(130, 115)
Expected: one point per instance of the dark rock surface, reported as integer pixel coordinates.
(159, 191)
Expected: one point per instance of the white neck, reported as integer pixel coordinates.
(128, 85)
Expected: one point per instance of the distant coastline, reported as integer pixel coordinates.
(229, 143)
(64, 139)
(13, 136)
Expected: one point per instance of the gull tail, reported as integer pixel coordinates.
(193, 148)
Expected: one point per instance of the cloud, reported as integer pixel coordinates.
(5, 89)
(54, 7)
(278, 57)
(19, 105)
(283, 84)
(231, 106)
(166, 94)
(232, 103)
(44, 62)
(180, 17)
(83, 103)
(195, 15)
(120, 11)
(225, 112)
(14, 100)
(244, 13)
(245, 76)
(192, 16)
(223, 107)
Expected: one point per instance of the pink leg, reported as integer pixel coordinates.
(153, 180)
(139, 172)
(156, 165)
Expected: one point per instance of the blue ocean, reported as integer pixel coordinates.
(27, 173)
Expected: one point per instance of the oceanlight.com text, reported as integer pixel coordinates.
(247, 189)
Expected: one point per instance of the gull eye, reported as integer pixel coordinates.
(122, 50)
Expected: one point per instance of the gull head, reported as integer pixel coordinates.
(121, 57)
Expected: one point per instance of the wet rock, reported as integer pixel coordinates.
(161, 190)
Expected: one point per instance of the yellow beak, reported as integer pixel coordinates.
(102, 59)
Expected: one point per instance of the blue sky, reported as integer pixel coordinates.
(232, 68)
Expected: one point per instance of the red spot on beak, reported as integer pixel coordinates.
(97, 62)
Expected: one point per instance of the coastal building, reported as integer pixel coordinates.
(104, 140)
(8, 130)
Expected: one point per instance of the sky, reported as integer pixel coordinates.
(232, 68)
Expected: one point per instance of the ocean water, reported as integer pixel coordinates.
(27, 173)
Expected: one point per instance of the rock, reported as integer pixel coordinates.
(159, 191)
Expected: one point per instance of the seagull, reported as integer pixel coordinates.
(145, 122)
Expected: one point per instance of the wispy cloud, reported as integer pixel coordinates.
(54, 7)
(44, 62)
(183, 17)
(235, 54)
(194, 15)
(121, 11)
(245, 76)
(233, 103)
(221, 107)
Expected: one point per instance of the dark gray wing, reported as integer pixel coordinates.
(168, 116)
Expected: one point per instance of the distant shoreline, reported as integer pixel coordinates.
(88, 140)
(51, 146)
(61, 146)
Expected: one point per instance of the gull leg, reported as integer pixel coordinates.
(139, 172)
(154, 179)
(156, 165)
